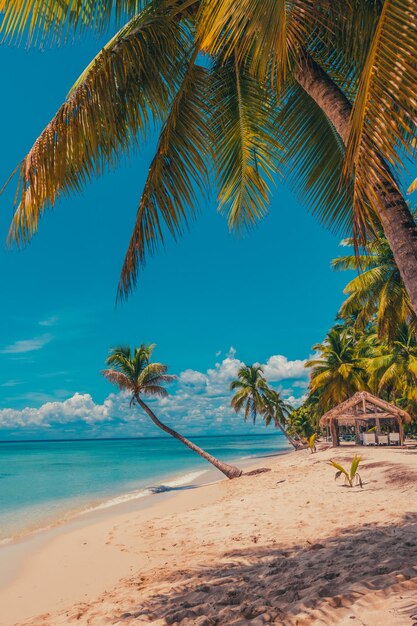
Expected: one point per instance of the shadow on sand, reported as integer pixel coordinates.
(304, 584)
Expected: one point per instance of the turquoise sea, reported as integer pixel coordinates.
(43, 481)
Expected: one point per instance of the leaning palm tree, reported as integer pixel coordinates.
(255, 397)
(276, 411)
(320, 93)
(377, 291)
(133, 373)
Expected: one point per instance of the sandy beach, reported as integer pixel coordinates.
(290, 546)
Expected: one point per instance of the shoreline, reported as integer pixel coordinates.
(14, 553)
(290, 545)
(44, 515)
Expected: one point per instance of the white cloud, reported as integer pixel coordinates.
(27, 345)
(193, 378)
(78, 407)
(198, 403)
(11, 383)
(278, 367)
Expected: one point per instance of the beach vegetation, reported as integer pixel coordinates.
(243, 94)
(133, 372)
(303, 421)
(376, 295)
(337, 372)
(311, 443)
(372, 345)
(351, 476)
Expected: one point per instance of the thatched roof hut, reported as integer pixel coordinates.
(363, 411)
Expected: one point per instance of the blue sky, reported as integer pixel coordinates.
(269, 294)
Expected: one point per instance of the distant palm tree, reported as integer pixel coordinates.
(377, 291)
(250, 387)
(134, 373)
(254, 395)
(276, 411)
(337, 371)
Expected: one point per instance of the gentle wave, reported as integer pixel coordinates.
(181, 481)
(149, 491)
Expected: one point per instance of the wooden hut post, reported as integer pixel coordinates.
(357, 433)
(334, 432)
(378, 428)
(401, 431)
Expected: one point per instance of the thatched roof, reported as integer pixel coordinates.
(363, 405)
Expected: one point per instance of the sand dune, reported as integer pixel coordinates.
(289, 547)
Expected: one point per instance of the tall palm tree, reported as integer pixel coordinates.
(326, 101)
(337, 372)
(133, 372)
(377, 290)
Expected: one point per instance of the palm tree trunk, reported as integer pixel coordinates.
(292, 441)
(396, 218)
(228, 470)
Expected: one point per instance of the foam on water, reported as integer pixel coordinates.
(186, 479)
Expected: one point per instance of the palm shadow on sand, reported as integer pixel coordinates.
(271, 584)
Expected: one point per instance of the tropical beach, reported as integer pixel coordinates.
(288, 546)
(208, 330)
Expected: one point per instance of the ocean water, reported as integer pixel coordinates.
(41, 482)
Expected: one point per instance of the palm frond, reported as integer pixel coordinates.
(119, 379)
(246, 150)
(120, 359)
(177, 172)
(313, 159)
(154, 390)
(342, 37)
(413, 186)
(49, 21)
(129, 82)
(359, 262)
(270, 33)
(383, 122)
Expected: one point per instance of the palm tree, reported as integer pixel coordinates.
(377, 291)
(337, 372)
(254, 395)
(326, 102)
(133, 372)
(250, 387)
(276, 411)
(393, 367)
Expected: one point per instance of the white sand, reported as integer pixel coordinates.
(289, 547)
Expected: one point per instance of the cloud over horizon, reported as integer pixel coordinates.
(199, 402)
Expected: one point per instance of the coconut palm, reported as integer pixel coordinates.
(326, 102)
(250, 387)
(134, 373)
(255, 397)
(337, 372)
(276, 411)
(393, 367)
(378, 291)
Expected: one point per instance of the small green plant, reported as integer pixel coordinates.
(351, 477)
(311, 442)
